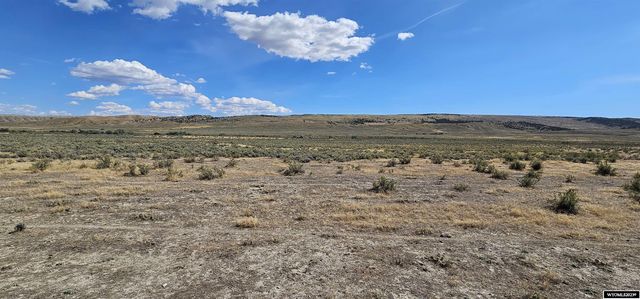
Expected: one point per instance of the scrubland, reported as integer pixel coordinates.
(157, 215)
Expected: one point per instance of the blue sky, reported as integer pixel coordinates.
(529, 57)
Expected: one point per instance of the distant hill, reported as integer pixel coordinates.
(337, 125)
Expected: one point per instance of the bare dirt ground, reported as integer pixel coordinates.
(256, 233)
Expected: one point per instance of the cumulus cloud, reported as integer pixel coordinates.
(98, 91)
(86, 6)
(246, 106)
(119, 71)
(134, 75)
(111, 108)
(6, 74)
(168, 107)
(405, 36)
(201, 80)
(162, 9)
(73, 103)
(311, 38)
(18, 109)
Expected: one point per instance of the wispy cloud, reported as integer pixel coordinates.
(6, 74)
(619, 79)
(393, 33)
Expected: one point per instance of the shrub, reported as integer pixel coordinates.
(392, 163)
(144, 169)
(208, 173)
(438, 160)
(533, 174)
(570, 178)
(605, 169)
(405, 160)
(104, 162)
(481, 166)
(517, 165)
(40, 165)
(133, 170)
(490, 169)
(567, 202)
(232, 163)
(499, 175)
(173, 174)
(536, 165)
(340, 170)
(384, 185)
(118, 165)
(190, 160)
(138, 169)
(164, 163)
(294, 168)
(530, 179)
(633, 187)
(461, 187)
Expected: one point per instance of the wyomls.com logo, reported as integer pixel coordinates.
(621, 294)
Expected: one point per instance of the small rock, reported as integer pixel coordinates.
(164, 285)
(445, 235)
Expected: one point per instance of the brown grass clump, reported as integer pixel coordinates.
(246, 222)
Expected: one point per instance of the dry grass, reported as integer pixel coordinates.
(254, 195)
(246, 222)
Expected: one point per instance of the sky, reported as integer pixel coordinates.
(281, 57)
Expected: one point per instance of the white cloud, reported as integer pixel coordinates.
(6, 74)
(18, 109)
(111, 108)
(246, 106)
(366, 66)
(331, 73)
(71, 60)
(86, 6)
(405, 36)
(98, 91)
(57, 113)
(73, 103)
(168, 107)
(201, 80)
(119, 71)
(26, 109)
(162, 9)
(136, 76)
(289, 35)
